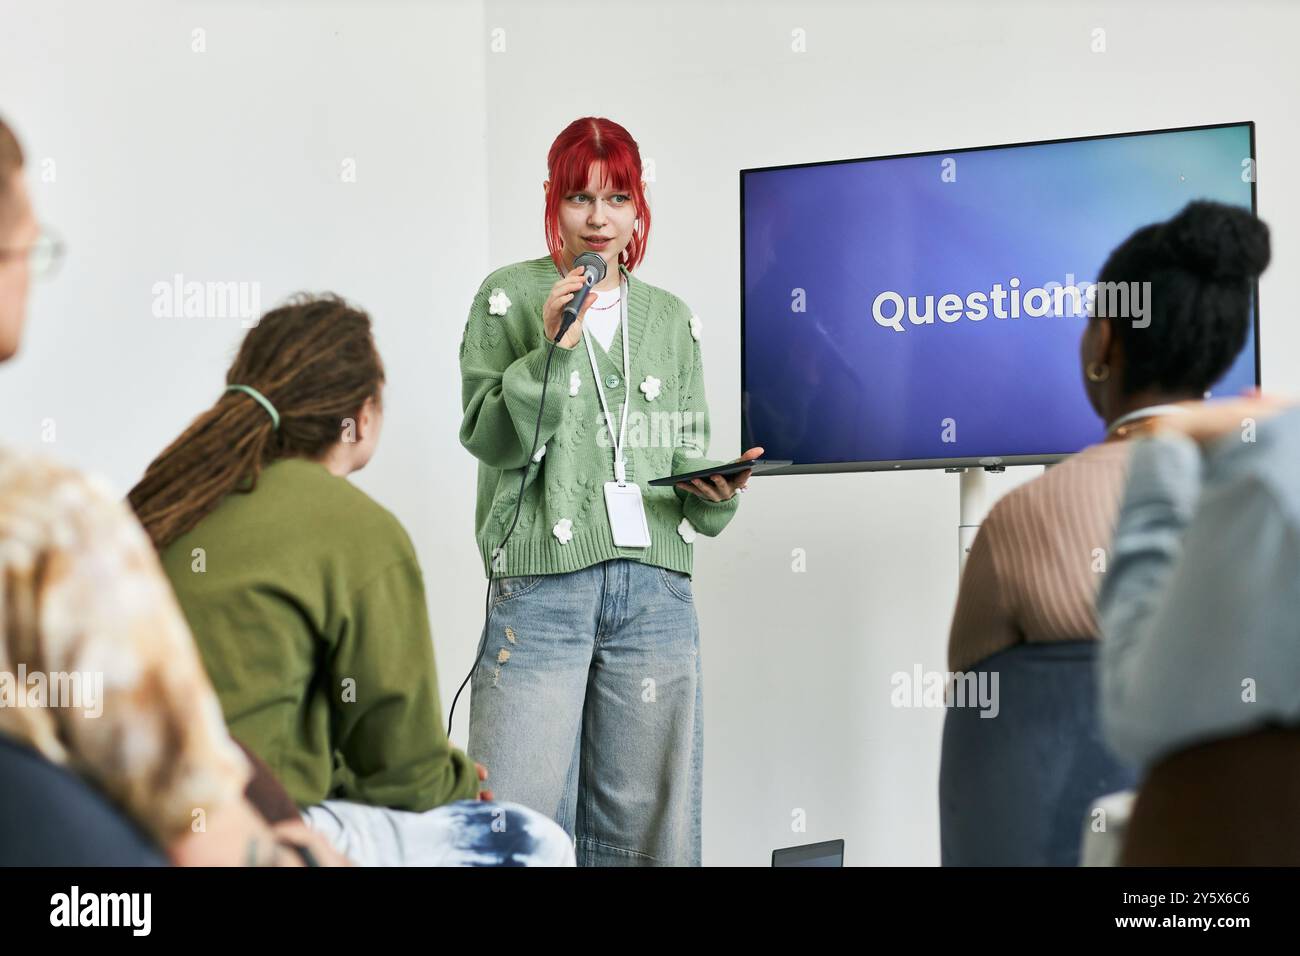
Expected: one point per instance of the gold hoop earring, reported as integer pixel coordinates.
(1097, 371)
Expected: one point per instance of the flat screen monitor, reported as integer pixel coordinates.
(924, 310)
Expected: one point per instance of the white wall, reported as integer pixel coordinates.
(226, 165)
(798, 666)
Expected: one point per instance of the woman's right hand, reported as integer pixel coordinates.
(553, 312)
(1205, 422)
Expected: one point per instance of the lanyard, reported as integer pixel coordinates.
(620, 469)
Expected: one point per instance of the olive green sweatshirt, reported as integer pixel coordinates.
(307, 604)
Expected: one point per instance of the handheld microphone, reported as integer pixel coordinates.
(593, 271)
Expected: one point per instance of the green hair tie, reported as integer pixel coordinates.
(260, 399)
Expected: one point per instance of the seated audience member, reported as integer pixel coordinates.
(307, 602)
(1015, 789)
(1201, 606)
(85, 610)
(1200, 670)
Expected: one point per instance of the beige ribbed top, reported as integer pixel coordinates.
(1034, 570)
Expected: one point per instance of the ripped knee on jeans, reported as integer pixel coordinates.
(503, 655)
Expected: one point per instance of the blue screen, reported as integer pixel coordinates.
(853, 355)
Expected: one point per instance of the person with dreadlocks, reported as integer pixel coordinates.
(137, 768)
(307, 602)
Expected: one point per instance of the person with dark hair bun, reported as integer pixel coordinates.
(1200, 607)
(1026, 606)
(1201, 266)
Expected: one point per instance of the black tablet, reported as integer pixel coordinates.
(756, 465)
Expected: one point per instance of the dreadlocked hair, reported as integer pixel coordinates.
(314, 359)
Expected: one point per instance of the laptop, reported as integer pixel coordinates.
(830, 853)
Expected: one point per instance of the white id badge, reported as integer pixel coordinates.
(626, 515)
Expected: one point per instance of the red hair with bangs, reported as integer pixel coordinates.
(594, 139)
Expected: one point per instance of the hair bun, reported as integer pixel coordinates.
(1218, 242)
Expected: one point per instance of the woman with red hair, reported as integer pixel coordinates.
(586, 697)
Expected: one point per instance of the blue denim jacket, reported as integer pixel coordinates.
(1200, 610)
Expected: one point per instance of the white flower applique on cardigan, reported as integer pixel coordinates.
(575, 382)
(498, 302)
(651, 388)
(695, 327)
(563, 530)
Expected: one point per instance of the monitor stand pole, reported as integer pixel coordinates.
(974, 505)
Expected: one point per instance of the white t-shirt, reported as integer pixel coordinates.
(601, 319)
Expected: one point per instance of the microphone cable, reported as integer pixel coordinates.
(500, 549)
(594, 271)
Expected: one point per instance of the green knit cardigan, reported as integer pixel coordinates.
(562, 523)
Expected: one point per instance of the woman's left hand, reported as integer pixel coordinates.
(718, 487)
(296, 831)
